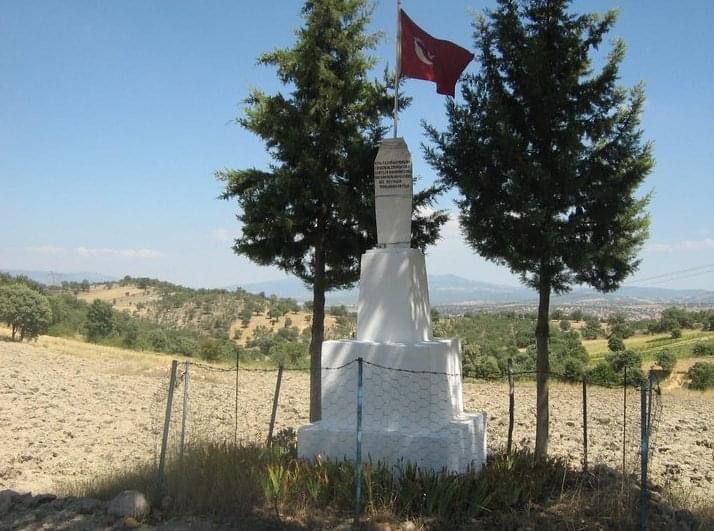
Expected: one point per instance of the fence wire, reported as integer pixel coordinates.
(233, 405)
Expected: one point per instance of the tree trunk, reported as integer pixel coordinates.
(318, 335)
(14, 327)
(542, 368)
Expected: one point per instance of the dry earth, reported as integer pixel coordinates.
(70, 411)
(123, 298)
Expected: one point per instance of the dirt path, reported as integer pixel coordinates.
(70, 416)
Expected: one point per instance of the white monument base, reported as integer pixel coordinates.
(415, 413)
(407, 417)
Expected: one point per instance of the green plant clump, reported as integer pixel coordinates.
(701, 376)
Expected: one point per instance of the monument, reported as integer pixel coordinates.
(412, 387)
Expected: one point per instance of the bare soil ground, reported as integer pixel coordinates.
(71, 411)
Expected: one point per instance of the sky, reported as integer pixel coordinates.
(114, 117)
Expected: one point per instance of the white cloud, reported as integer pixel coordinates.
(684, 245)
(97, 252)
(48, 249)
(220, 235)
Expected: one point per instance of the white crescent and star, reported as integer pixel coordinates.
(422, 52)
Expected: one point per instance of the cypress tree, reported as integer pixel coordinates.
(312, 212)
(547, 154)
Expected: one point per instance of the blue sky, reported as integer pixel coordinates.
(115, 115)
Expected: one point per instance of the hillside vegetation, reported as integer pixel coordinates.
(147, 314)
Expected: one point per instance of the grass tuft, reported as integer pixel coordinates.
(229, 483)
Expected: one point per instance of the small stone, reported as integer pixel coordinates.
(129, 503)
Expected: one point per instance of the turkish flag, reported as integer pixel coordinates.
(424, 57)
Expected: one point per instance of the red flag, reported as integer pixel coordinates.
(424, 57)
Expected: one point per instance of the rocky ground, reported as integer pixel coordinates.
(69, 416)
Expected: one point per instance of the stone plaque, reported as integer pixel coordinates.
(393, 177)
(393, 192)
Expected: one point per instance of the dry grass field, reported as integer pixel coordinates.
(123, 298)
(71, 411)
(300, 320)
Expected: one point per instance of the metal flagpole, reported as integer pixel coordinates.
(397, 68)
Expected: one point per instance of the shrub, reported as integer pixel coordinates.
(211, 351)
(100, 320)
(624, 358)
(615, 344)
(701, 375)
(564, 325)
(573, 369)
(636, 377)
(676, 333)
(704, 348)
(666, 360)
(603, 374)
(486, 367)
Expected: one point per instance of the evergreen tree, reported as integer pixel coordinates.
(547, 155)
(312, 212)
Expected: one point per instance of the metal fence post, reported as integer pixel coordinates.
(511, 405)
(235, 431)
(184, 415)
(275, 405)
(624, 424)
(358, 457)
(167, 420)
(644, 456)
(585, 423)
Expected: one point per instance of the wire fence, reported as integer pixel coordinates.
(242, 405)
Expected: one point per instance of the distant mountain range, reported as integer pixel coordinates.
(444, 290)
(454, 290)
(51, 278)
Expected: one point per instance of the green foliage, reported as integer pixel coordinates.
(701, 375)
(708, 323)
(100, 320)
(592, 329)
(603, 374)
(68, 315)
(317, 199)
(547, 155)
(667, 361)
(543, 149)
(491, 336)
(615, 344)
(575, 315)
(574, 369)
(234, 483)
(624, 358)
(312, 212)
(214, 350)
(564, 325)
(676, 333)
(703, 348)
(24, 310)
(337, 311)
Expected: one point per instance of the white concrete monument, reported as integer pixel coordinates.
(414, 415)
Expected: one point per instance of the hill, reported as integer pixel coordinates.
(453, 290)
(52, 278)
